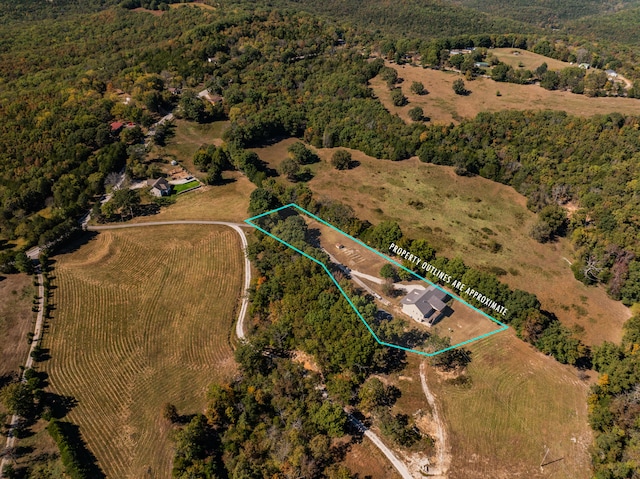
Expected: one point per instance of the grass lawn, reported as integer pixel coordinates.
(467, 217)
(143, 317)
(185, 186)
(187, 137)
(442, 105)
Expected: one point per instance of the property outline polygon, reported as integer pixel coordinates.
(503, 326)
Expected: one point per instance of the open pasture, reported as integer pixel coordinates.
(143, 317)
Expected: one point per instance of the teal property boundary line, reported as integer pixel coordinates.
(250, 221)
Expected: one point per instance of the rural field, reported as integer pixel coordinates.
(187, 137)
(143, 317)
(16, 320)
(442, 105)
(515, 404)
(518, 403)
(470, 218)
(529, 60)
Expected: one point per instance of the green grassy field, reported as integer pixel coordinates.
(143, 317)
(185, 186)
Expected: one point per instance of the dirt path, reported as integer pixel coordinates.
(37, 335)
(444, 456)
(400, 466)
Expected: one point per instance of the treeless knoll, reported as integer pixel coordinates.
(442, 105)
(143, 317)
(471, 218)
(529, 60)
(16, 321)
(516, 404)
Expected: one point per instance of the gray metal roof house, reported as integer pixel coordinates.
(425, 305)
(159, 187)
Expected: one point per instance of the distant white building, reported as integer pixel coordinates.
(425, 306)
(584, 66)
(611, 74)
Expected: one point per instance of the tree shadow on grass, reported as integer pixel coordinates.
(75, 244)
(84, 458)
(59, 404)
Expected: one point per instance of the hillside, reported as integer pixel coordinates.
(132, 334)
(619, 27)
(423, 19)
(539, 208)
(545, 12)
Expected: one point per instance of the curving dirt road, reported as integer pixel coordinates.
(444, 457)
(400, 466)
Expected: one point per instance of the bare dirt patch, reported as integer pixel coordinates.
(366, 460)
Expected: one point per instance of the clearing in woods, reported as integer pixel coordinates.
(529, 60)
(457, 320)
(186, 138)
(514, 403)
(143, 317)
(227, 202)
(442, 105)
(483, 222)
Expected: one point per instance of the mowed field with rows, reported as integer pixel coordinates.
(143, 317)
(519, 404)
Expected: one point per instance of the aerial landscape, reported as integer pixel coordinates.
(345, 239)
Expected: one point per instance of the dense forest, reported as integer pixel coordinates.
(545, 13)
(67, 65)
(619, 27)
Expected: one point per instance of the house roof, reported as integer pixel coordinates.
(426, 300)
(161, 184)
(116, 125)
